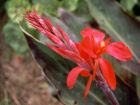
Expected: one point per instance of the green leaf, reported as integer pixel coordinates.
(128, 4)
(13, 36)
(56, 69)
(117, 23)
(16, 9)
(138, 86)
(52, 6)
(82, 10)
(69, 31)
(76, 24)
(70, 5)
(132, 67)
(121, 27)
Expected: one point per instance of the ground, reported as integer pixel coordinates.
(25, 84)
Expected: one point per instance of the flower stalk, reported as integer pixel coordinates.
(103, 85)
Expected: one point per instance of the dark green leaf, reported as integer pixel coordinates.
(82, 10)
(138, 87)
(76, 24)
(117, 23)
(56, 69)
(68, 28)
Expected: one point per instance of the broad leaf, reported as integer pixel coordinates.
(16, 10)
(52, 6)
(76, 24)
(13, 36)
(117, 23)
(138, 87)
(56, 69)
(68, 30)
(82, 10)
(128, 4)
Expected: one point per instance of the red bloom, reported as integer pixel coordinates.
(87, 54)
(94, 46)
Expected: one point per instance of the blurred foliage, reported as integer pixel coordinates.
(14, 37)
(16, 10)
(52, 6)
(132, 7)
(138, 86)
(83, 11)
(128, 4)
(118, 24)
(6, 101)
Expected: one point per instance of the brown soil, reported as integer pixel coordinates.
(24, 83)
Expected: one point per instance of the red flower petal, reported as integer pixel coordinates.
(88, 86)
(95, 67)
(108, 73)
(87, 45)
(67, 40)
(73, 75)
(63, 33)
(119, 51)
(54, 38)
(57, 33)
(87, 48)
(83, 54)
(66, 53)
(107, 41)
(85, 73)
(48, 24)
(98, 35)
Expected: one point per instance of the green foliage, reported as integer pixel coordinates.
(128, 4)
(14, 37)
(70, 5)
(138, 86)
(116, 23)
(16, 10)
(73, 22)
(6, 101)
(52, 6)
(83, 11)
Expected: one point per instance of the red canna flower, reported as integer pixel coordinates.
(91, 48)
(87, 54)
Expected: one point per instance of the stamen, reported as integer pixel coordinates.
(102, 44)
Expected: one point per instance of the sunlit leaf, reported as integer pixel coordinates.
(16, 10)
(128, 4)
(52, 6)
(70, 5)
